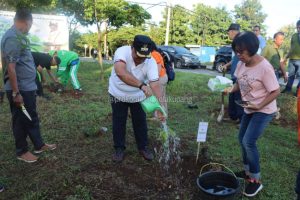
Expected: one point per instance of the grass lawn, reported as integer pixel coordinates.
(81, 167)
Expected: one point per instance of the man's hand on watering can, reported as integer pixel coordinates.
(147, 90)
(160, 116)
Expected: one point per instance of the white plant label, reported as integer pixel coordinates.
(202, 131)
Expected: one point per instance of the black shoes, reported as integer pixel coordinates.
(118, 156)
(147, 154)
(253, 188)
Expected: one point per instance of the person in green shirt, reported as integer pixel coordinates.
(294, 62)
(274, 55)
(67, 68)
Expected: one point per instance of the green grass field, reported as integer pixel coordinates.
(81, 167)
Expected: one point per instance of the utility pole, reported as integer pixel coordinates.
(168, 23)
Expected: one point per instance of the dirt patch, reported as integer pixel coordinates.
(130, 180)
(62, 92)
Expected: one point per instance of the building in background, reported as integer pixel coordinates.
(48, 32)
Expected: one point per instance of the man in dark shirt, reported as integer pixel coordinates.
(43, 60)
(235, 111)
(19, 83)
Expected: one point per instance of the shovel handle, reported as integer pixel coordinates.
(224, 72)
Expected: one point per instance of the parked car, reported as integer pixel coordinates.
(181, 57)
(223, 56)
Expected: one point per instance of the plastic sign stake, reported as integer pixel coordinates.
(201, 137)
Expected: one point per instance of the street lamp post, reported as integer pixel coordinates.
(168, 23)
(85, 47)
(168, 5)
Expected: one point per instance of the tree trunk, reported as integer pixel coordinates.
(105, 41)
(90, 51)
(100, 60)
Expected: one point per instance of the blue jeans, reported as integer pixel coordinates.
(293, 69)
(252, 126)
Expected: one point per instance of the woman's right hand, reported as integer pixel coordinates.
(227, 90)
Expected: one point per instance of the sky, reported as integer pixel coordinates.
(279, 12)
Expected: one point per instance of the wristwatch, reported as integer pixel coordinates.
(14, 94)
(143, 84)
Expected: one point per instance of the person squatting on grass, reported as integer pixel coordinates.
(41, 61)
(163, 77)
(19, 82)
(67, 68)
(133, 66)
(259, 88)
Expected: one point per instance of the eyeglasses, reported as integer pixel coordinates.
(255, 30)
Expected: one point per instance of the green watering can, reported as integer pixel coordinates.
(151, 104)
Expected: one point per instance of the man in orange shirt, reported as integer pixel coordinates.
(163, 77)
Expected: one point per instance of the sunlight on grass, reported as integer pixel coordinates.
(81, 167)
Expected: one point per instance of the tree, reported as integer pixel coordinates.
(112, 13)
(38, 6)
(210, 25)
(180, 30)
(73, 37)
(288, 31)
(89, 39)
(74, 10)
(123, 36)
(157, 34)
(249, 14)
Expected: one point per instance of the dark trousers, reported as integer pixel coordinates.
(22, 126)
(293, 71)
(234, 110)
(297, 189)
(39, 91)
(138, 116)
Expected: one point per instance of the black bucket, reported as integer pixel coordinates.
(216, 185)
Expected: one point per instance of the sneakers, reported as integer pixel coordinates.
(28, 157)
(253, 188)
(1, 188)
(46, 147)
(242, 174)
(147, 154)
(118, 156)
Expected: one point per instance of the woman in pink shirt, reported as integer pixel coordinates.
(259, 88)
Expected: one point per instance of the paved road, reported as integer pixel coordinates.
(215, 73)
(206, 71)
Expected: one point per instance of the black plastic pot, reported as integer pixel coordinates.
(216, 185)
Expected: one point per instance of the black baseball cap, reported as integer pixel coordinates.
(143, 46)
(234, 27)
